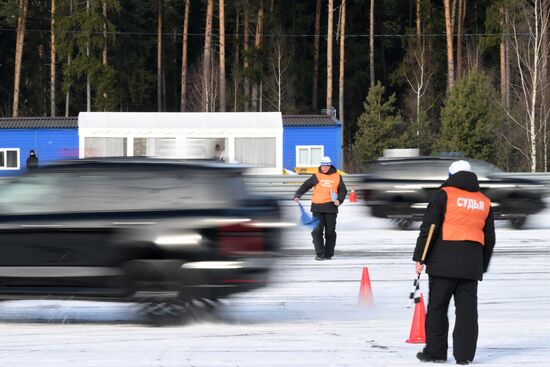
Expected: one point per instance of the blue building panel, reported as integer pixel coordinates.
(49, 145)
(327, 136)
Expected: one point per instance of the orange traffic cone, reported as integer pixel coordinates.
(418, 328)
(352, 196)
(365, 292)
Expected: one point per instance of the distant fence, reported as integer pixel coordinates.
(284, 186)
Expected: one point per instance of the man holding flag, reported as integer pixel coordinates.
(462, 247)
(329, 191)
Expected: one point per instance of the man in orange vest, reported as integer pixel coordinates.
(329, 192)
(459, 255)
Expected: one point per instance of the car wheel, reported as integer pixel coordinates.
(404, 224)
(162, 312)
(175, 311)
(518, 223)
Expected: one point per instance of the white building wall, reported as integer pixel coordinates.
(183, 127)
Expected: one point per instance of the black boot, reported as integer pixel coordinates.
(425, 357)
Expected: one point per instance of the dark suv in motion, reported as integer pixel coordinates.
(168, 234)
(400, 189)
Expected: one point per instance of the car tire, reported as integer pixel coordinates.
(175, 312)
(163, 312)
(404, 224)
(518, 223)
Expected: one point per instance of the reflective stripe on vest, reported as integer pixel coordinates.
(465, 215)
(327, 184)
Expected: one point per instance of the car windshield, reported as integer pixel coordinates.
(425, 169)
(484, 169)
(83, 191)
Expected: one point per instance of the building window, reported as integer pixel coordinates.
(309, 155)
(9, 158)
(205, 148)
(104, 147)
(258, 152)
(155, 147)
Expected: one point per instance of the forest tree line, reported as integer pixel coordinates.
(438, 75)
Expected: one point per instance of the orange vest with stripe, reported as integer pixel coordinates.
(326, 185)
(465, 215)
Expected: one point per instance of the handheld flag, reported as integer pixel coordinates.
(415, 292)
(306, 219)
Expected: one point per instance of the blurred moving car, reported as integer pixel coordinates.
(171, 235)
(400, 189)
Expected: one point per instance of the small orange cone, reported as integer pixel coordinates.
(352, 196)
(418, 328)
(365, 292)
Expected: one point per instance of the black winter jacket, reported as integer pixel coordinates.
(325, 207)
(454, 259)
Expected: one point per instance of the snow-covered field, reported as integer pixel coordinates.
(309, 316)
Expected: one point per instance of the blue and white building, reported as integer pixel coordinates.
(307, 138)
(51, 138)
(267, 141)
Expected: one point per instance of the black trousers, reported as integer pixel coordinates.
(327, 224)
(465, 331)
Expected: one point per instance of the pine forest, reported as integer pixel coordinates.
(437, 75)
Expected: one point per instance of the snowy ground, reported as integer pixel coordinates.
(309, 316)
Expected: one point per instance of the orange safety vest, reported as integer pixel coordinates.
(465, 215)
(327, 184)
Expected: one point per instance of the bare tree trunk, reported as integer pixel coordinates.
(342, 62)
(503, 81)
(379, 28)
(449, 37)
(67, 95)
(503, 61)
(460, 32)
(418, 22)
(329, 54)
(316, 42)
(88, 85)
(104, 58)
(222, 56)
(164, 89)
(19, 45)
(507, 60)
(257, 60)
(236, 62)
(159, 55)
(53, 56)
(207, 55)
(246, 56)
(535, 85)
(544, 81)
(105, 54)
(342, 73)
(184, 56)
(544, 66)
(371, 43)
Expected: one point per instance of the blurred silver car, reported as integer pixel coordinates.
(400, 189)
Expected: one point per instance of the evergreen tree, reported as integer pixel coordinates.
(379, 127)
(81, 36)
(468, 118)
